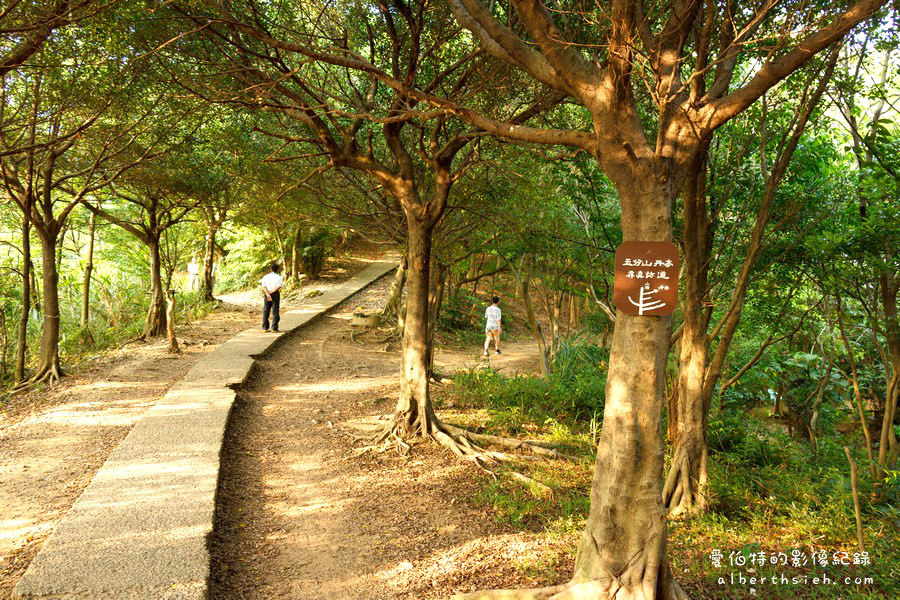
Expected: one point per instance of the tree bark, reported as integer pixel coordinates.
(686, 487)
(86, 284)
(295, 255)
(22, 337)
(208, 260)
(435, 301)
(525, 293)
(395, 295)
(155, 323)
(49, 369)
(857, 392)
(623, 547)
(170, 322)
(887, 451)
(817, 403)
(414, 415)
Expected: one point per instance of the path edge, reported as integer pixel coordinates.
(141, 528)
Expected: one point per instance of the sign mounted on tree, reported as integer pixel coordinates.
(646, 278)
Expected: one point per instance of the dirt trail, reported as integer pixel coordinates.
(301, 516)
(52, 442)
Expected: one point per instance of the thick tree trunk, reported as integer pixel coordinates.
(86, 284)
(155, 324)
(48, 369)
(622, 552)
(208, 261)
(22, 336)
(686, 486)
(414, 415)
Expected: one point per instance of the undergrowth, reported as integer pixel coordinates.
(769, 493)
(116, 320)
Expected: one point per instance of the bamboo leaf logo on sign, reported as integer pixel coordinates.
(646, 278)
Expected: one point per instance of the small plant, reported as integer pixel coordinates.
(314, 250)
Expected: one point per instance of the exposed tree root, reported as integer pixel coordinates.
(607, 589)
(383, 433)
(536, 594)
(545, 489)
(679, 495)
(48, 374)
(510, 443)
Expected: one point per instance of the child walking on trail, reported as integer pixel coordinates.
(271, 285)
(492, 328)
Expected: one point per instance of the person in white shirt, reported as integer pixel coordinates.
(492, 328)
(271, 285)
(194, 273)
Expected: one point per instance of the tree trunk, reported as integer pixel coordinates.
(414, 415)
(86, 284)
(887, 450)
(573, 314)
(395, 295)
(524, 292)
(622, 552)
(155, 324)
(48, 369)
(857, 392)
(435, 300)
(475, 271)
(170, 322)
(4, 344)
(686, 486)
(22, 337)
(817, 403)
(295, 255)
(280, 241)
(685, 489)
(208, 261)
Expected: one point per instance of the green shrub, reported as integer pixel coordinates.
(314, 249)
(573, 392)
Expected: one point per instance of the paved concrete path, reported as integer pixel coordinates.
(139, 530)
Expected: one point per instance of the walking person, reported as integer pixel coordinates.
(492, 328)
(194, 273)
(271, 285)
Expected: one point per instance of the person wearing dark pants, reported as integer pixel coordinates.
(271, 285)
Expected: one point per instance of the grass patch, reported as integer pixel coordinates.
(769, 495)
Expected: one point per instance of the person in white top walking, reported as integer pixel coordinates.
(271, 285)
(492, 328)
(194, 273)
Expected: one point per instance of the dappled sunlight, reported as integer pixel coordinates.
(101, 417)
(11, 529)
(105, 386)
(360, 384)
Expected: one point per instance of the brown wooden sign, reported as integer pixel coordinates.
(646, 278)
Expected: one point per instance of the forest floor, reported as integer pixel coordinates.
(301, 515)
(53, 440)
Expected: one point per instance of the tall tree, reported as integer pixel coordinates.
(609, 62)
(74, 145)
(413, 154)
(686, 486)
